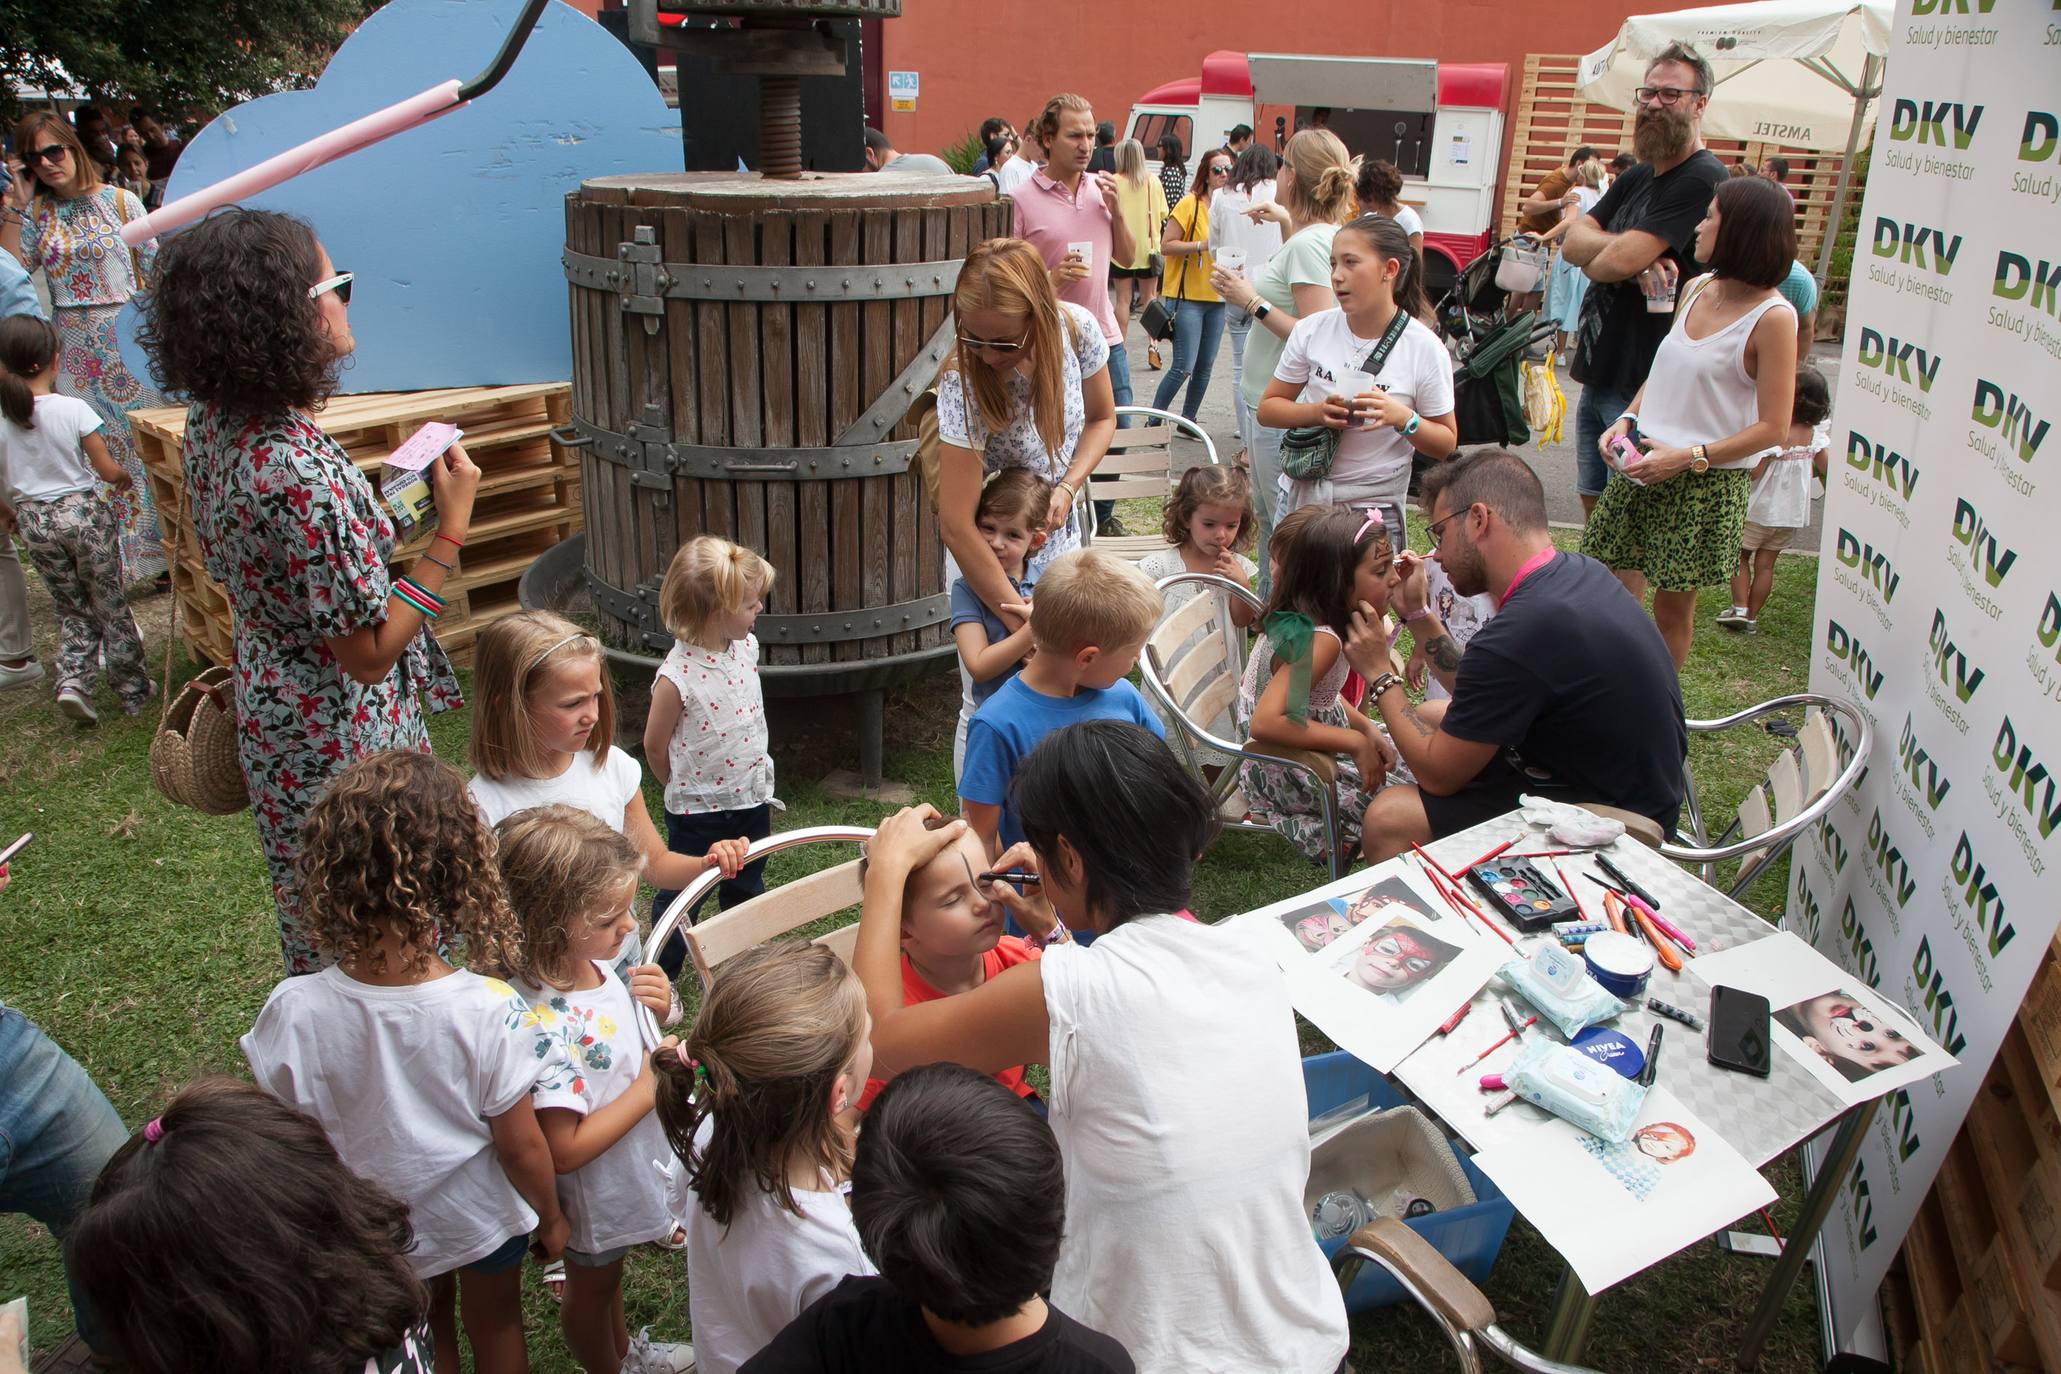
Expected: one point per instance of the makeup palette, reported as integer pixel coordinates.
(1523, 896)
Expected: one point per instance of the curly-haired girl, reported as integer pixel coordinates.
(755, 1103)
(420, 1072)
(308, 1270)
(332, 656)
(571, 879)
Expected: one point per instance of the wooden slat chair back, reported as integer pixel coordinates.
(1140, 466)
(1191, 684)
(772, 914)
(1801, 786)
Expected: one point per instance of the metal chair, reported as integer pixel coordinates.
(772, 913)
(1193, 662)
(1445, 1294)
(1800, 789)
(1140, 463)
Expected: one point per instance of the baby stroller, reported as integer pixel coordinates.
(1488, 381)
(1473, 308)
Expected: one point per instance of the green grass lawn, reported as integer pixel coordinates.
(141, 937)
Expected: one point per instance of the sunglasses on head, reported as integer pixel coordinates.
(53, 154)
(340, 283)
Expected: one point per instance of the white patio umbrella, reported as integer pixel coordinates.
(1802, 72)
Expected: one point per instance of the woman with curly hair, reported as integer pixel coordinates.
(309, 1271)
(333, 654)
(420, 1072)
(62, 220)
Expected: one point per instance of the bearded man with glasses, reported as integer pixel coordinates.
(1636, 246)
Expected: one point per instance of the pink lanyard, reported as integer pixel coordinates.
(1532, 565)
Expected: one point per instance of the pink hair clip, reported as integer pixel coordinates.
(155, 1131)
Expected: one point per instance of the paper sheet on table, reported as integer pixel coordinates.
(1850, 1037)
(1613, 1210)
(1376, 960)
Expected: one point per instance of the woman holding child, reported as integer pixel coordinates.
(1027, 387)
(1176, 1086)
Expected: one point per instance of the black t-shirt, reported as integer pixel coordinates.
(1573, 675)
(864, 1326)
(1102, 160)
(1619, 335)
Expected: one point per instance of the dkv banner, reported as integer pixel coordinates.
(1939, 595)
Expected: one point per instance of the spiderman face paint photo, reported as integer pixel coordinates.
(1396, 958)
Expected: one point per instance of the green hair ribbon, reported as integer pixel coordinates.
(1289, 636)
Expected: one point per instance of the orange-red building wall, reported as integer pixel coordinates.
(976, 58)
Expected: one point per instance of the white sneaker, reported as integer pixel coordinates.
(658, 1357)
(1732, 618)
(31, 671)
(75, 704)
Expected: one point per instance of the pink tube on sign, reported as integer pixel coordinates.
(306, 157)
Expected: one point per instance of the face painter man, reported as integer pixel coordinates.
(1568, 692)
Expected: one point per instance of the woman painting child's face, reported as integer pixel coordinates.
(565, 704)
(946, 915)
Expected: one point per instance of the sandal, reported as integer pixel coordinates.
(1152, 356)
(554, 1279)
(1243, 460)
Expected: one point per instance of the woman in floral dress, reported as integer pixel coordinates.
(248, 320)
(63, 221)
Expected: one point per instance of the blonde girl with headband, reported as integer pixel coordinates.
(705, 734)
(1027, 387)
(543, 731)
(419, 1071)
(756, 1104)
(571, 882)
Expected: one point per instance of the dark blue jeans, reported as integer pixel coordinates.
(56, 1132)
(693, 835)
(1198, 331)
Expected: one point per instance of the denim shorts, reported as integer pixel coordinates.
(502, 1260)
(596, 1259)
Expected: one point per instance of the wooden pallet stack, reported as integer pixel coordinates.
(529, 497)
(1553, 120)
(1979, 1286)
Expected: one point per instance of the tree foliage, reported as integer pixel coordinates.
(197, 56)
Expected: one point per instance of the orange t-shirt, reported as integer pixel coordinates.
(1008, 952)
(1552, 186)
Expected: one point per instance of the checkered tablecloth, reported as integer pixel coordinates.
(1761, 1118)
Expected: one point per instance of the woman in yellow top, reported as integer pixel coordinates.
(1142, 204)
(1198, 309)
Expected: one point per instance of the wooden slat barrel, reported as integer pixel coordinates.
(744, 354)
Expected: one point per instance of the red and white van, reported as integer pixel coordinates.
(1442, 123)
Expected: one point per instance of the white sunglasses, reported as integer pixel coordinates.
(340, 283)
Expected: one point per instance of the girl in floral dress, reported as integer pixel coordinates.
(1328, 560)
(332, 653)
(63, 221)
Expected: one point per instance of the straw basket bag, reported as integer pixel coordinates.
(193, 755)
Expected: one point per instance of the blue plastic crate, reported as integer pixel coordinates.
(1470, 1237)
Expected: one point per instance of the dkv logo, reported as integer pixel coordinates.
(1917, 245)
(1870, 562)
(1985, 554)
(1947, 123)
(1897, 359)
(1881, 464)
(2036, 281)
(1846, 648)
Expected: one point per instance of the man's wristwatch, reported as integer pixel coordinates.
(1382, 684)
(1699, 460)
(1261, 309)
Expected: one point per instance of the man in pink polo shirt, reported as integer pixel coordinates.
(1063, 203)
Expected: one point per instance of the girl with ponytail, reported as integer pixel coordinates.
(1312, 189)
(52, 461)
(1376, 328)
(755, 1104)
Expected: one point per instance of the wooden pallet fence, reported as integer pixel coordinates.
(1553, 120)
(529, 497)
(1979, 1281)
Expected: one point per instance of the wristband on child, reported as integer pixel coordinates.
(1058, 935)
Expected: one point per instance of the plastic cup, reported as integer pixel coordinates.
(1659, 289)
(1084, 249)
(1232, 260)
(1351, 383)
